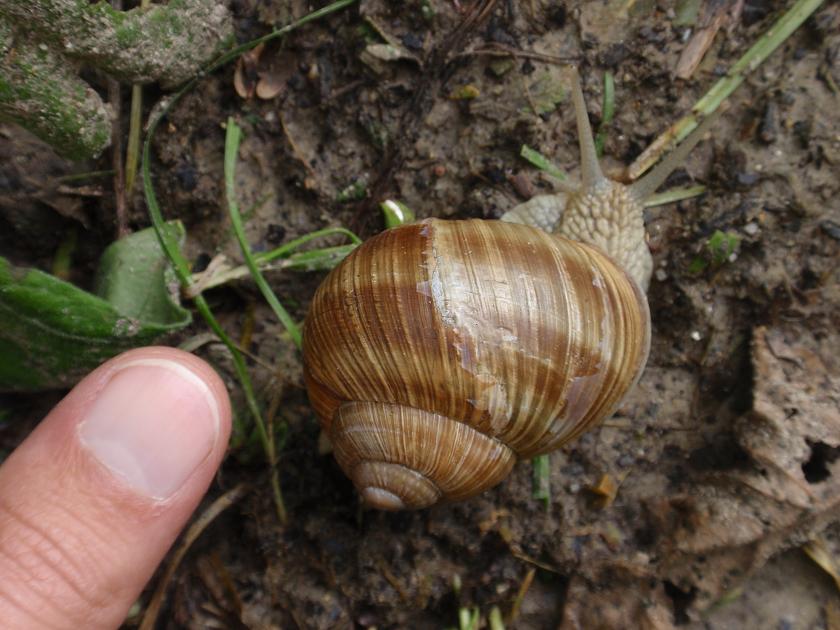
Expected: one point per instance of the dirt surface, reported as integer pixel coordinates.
(724, 455)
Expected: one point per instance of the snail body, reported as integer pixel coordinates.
(438, 354)
(600, 211)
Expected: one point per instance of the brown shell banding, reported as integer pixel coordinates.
(525, 337)
(427, 456)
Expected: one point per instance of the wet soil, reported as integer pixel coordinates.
(725, 453)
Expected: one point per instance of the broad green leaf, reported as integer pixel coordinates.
(135, 278)
(52, 333)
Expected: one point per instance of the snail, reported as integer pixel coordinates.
(439, 353)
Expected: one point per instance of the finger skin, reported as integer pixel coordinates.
(77, 543)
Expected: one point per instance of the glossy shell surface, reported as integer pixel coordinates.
(440, 352)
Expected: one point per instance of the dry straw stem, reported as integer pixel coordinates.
(196, 529)
(721, 90)
(171, 247)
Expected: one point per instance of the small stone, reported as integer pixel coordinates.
(695, 335)
(412, 41)
(831, 229)
(751, 228)
(661, 275)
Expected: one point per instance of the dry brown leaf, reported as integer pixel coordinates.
(605, 490)
(818, 552)
(270, 85)
(245, 76)
(715, 17)
(780, 486)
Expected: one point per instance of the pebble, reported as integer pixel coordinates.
(831, 228)
(751, 228)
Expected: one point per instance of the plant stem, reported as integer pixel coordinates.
(173, 250)
(542, 480)
(721, 90)
(319, 259)
(232, 140)
(673, 195)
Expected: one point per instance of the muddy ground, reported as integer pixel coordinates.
(725, 453)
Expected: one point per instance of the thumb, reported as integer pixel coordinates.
(95, 496)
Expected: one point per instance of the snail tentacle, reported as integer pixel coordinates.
(591, 176)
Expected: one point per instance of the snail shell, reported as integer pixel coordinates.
(439, 353)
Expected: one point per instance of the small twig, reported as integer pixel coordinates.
(121, 213)
(218, 506)
(132, 151)
(222, 273)
(520, 594)
(502, 50)
(80, 191)
(247, 329)
(393, 580)
(700, 42)
(344, 89)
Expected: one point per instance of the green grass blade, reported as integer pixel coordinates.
(285, 250)
(541, 482)
(541, 162)
(720, 91)
(180, 264)
(674, 195)
(232, 140)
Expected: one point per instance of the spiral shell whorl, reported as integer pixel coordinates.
(488, 328)
(404, 458)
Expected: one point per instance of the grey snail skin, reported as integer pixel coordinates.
(439, 353)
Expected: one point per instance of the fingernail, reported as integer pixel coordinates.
(152, 425)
